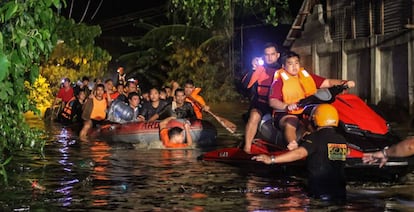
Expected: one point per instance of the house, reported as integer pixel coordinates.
(368, 41)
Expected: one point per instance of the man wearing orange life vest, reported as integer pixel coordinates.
(291, 84)
(198, 103)
(175, 137)
(94, 110)
(261, 78)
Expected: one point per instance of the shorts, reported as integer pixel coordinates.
(277, 116)
(262, 107)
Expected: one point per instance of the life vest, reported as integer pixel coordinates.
(99, 109)
(297, 87)
(264, 78)
(68, 109)
(164, 134)
(197, 102)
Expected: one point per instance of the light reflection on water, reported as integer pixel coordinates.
(96, 175)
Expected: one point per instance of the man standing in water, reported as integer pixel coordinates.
(260, 82)
(325, 151)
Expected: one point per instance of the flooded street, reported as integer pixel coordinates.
(99, 176)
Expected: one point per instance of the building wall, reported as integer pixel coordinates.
(381, 65)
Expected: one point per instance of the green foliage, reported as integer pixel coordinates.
(180, 52)
(76, 54)
(220, 14)
(26, 39)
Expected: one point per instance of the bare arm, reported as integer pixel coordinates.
(327, 83)
(188, 134)
(290, 156)
(164, 123)
(277, 104)
(404, 148)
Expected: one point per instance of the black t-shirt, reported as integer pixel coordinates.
(325, 163)
(148, 110)
(184, 112)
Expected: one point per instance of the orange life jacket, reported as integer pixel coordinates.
(297, 87)
(67, 111)
(264, 79)
(166, 140)
(99, 109)
(197, 102)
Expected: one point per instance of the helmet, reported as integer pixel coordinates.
(325, 115)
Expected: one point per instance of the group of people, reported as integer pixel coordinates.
(277, 87)
(125, 103)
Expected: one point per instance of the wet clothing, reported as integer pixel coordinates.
(325, 162)
(65, 95)
(260, 83)
(184, 112)
(148, 110)
(166, 140)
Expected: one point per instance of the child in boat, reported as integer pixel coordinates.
(175, 137)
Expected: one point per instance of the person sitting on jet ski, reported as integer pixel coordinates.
(325, 151)
(291, 84)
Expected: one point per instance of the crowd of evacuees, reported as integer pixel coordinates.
(122, 101)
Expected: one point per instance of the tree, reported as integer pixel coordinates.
(26, 39)
(76, 54)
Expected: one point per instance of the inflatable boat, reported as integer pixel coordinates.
(202, 132)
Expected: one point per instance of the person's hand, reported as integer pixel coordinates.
(350, 84)
(174, 85)
(206, 108)
(375, 157)
(262, 158)
(255, 62)
(187, 125)
(141, 118)
(292, 145)
(291, 107)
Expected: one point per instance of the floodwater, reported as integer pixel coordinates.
(71, 175)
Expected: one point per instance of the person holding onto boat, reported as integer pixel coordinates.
(94, 110)
(258, 81)
(405, 148)
(153, 106)
(291, 84)
(325, 151)
(175, 137)
(178, 108)
(193, 97)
